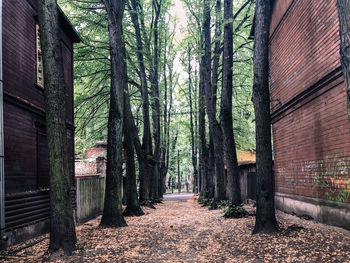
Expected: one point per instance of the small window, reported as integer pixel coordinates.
(39, 60)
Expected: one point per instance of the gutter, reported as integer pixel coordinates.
(3, 236)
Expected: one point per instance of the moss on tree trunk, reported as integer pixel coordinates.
(62, 229)
(265, 211)
(112, 212)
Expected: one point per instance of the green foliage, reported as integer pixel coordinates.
(223, 204)
(92, 81)
(331, 179)
(232, 211)
(206, 201)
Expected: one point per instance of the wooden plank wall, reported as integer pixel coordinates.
(24, 116)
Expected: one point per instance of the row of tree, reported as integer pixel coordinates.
(218, 175)
(133, 62)
(136, 73)
(141, 69)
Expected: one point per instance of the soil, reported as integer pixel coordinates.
(181, 230)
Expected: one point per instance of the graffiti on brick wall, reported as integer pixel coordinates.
(331, 178)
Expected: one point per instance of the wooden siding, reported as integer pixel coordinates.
(26, 158)
(310, 126)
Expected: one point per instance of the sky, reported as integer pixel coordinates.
(178, 10)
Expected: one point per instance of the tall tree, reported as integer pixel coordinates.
(344, 31)
(233, 184)
(155, 105)
(214, 126)
(202, 149)
(265, 211)
(62, 226)
(132, 204)
(192, 128)
(112, 212)
(145, 153)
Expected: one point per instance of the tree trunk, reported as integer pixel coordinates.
(203, 149)
(144, 172)
(165, 144)
(193, 149)
(195, 113)
(214, 126)
(233, 185)
(178, 172)
(211, 168)
(144, 160)
(124, 187)
(132, 204)
(265, 211)
(344, 32)
(155, 104)
(62, 226)
(112, 212)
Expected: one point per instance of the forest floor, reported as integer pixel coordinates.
(181, 230)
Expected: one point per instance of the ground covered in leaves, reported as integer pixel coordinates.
(181, 230)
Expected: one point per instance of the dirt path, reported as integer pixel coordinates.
(180, 230)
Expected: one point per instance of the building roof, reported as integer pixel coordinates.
(69, 27)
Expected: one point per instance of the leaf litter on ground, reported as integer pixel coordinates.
(181, 230)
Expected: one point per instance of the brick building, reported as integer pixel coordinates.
(308, 107)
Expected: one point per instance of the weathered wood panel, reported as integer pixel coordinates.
(26, 157)
(90, 197)
(20, 150)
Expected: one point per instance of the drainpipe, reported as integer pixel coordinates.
(3, 236)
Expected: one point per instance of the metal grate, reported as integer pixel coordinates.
(25, 208)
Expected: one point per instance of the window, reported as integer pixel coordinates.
(39, 60)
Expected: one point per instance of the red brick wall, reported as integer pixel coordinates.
(310, 126)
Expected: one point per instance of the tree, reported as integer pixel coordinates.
(192, 128)
(155, 105)
(265, 211)
(344, 31)
(145, 151)
(132, 204)
(202, 149)
(112, 212)
(62, 226)
(233, 184)
(210, 97)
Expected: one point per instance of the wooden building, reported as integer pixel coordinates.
(308, 108)
(25, 142)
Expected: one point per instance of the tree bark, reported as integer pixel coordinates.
(214, 126)
(112, 212)
(193, 149)
(178, 172)
(155, 104)
(344, 32)
(233, 184)
(265, 211)
(211, 168)
(165, 140)
(132, 204)
(145, 171)
(203, 149)
(62, 226)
